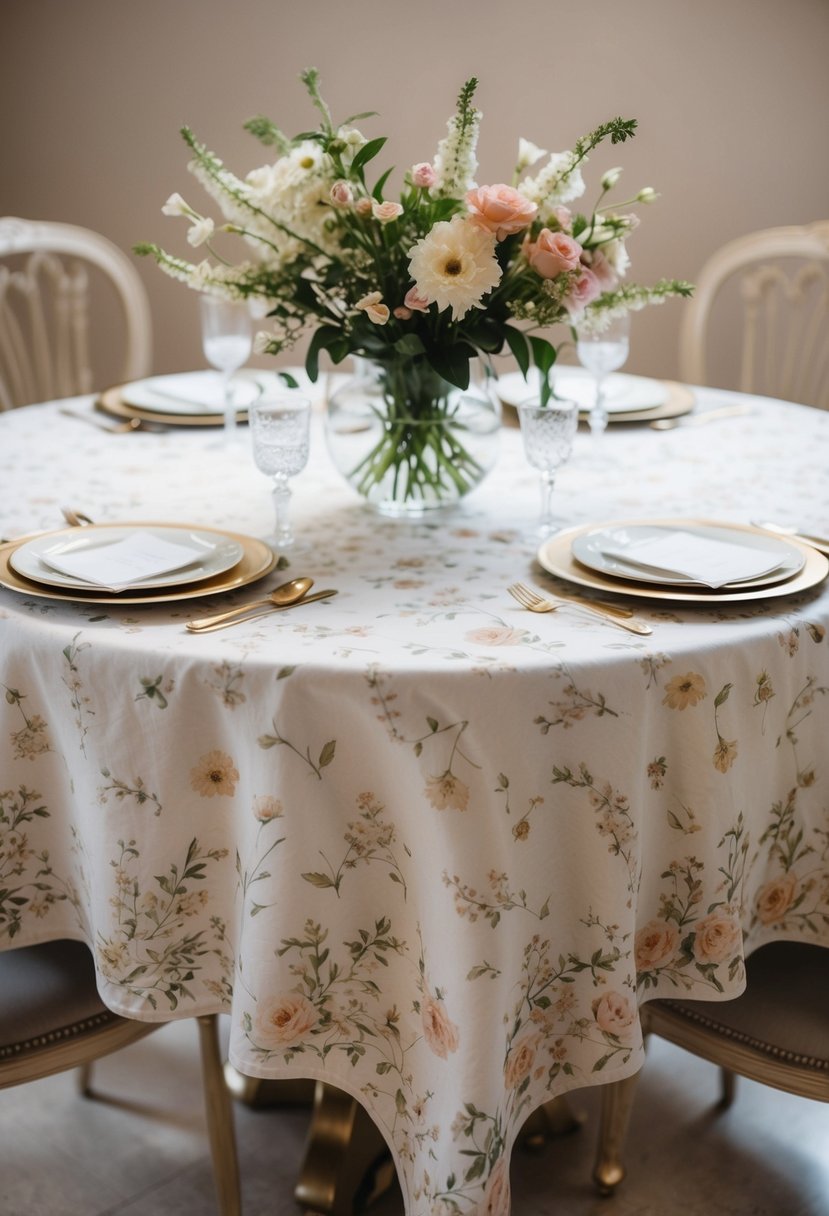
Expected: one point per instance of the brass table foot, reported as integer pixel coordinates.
(347, 1164)
(258, 1093)
(554, 1118)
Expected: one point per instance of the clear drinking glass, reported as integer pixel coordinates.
(227, 340)
(280, 448)
(600, 353)
(548, 432)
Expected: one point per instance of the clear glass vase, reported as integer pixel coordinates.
(409, 441)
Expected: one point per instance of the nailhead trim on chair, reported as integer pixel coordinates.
(55, 1036)
(738, 1036)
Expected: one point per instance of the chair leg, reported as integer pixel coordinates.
(617, 1100)
(728, 1087)
(219, 1109)
(84, 1075)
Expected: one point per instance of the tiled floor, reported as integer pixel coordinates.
(61, 1155)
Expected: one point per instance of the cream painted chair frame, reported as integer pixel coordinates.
(785, 338)
(79, 1044)
(44, 311)
(734, 1040)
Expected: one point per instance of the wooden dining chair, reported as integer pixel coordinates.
(50, 274)
(52, 1019)
(776, 1032)
(772, 287)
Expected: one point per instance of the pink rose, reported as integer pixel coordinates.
(402, 313)
(614, 1013)
(341, 194)
(500, 209)
(386, 212)
(423, 175)
(496, 635)
(282, 1020)
(363, 206)
(441, 1034)
(553, 253)
(655, 943)
(602, 269)
(718, 937)
(562, 216)
(415, 301)
(583, 291)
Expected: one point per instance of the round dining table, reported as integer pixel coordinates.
(419, 843)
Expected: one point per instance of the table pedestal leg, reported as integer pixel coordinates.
(257, 1092)
(347, 1164)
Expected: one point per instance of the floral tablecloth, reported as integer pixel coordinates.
(416, 841)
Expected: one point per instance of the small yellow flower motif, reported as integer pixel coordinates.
(725, 753)
(682, 691)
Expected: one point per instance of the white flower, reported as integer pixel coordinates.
(374, 310)
(454, 265)
(176, 205)
(528, 154)
(455, 161)
(610, 178)
(385, 212)
(200, 231)
(560, 181)
(647, 195)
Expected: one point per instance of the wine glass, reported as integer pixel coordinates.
(280, 448)
(548, 432)
(227, 339)
(602, 351)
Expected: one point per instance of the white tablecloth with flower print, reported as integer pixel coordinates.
(417, 842)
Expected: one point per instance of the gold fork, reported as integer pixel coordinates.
(534, 602)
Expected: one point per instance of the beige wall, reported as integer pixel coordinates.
(732, 98)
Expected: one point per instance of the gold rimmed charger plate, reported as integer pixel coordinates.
(112, 402)
(258, 559)
(555, 557)
(679, 400)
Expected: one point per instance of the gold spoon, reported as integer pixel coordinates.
(281, 597)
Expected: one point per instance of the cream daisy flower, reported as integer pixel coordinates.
(454, 265)
(214, 774)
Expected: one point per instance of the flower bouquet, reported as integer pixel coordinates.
(422, 290)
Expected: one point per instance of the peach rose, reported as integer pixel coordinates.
(496, 635)
(655, 943)
(496, 1200)
(284, 1019)
(583, 291)
(500, 209)
(604, 272)
(775, 898)
(615, 1014)
(441, 1034)
(553, 253)
(520, 1060)
(266, 808)
(386, 212)
(363, 206)
(717, 938)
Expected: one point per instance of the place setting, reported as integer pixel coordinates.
(693, 561)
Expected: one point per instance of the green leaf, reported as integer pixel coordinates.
(318, 880)
(322, 339)
(519, 347)
(288, 379)
(409, 344)
(453, 363)
(377, 192)
(327, 753)
(367, 153)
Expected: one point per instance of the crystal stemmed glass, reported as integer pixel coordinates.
(227, 339)
(602, 351)
(280, 448)
(548, 432)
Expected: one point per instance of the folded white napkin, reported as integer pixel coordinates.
(123, 563)
(704, 559)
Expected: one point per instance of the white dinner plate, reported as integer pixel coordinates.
(201, 392)
(588, 548)
(220, 553)
(625, 394)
